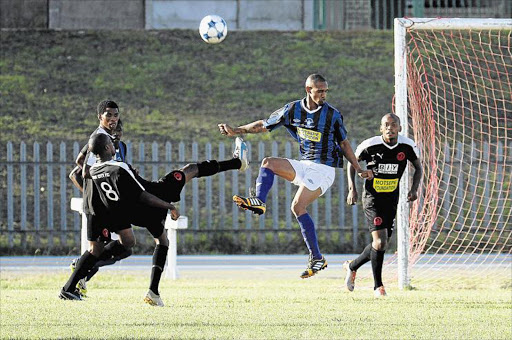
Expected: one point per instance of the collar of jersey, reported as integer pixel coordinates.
(303, 104)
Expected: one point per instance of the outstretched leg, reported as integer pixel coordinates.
(270, 166)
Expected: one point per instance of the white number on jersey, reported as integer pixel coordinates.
(109, 192)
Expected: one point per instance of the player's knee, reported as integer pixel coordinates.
(297, 209)
(190, 170)
(267, 163)
(162, 240)
(379, 244)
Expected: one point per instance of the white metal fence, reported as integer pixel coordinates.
(35, 193)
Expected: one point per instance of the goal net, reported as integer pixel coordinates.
(453, 87)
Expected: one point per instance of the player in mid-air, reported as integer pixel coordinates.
(318, 128)
(167, 188)
(387, 156)
(113, 196)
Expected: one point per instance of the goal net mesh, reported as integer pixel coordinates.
(460, 115)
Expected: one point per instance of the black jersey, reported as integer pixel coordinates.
(116, 188)
(387, 162)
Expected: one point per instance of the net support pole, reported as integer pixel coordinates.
(401, 111)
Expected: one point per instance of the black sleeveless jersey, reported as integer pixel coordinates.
(387, 162)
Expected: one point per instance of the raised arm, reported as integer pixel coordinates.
(254, 127)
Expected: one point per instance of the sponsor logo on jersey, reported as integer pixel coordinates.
(400, 156)
(377, 221)
(296, 122)
(313, 136)
(390, 169)
(310, 123)
(385, 185)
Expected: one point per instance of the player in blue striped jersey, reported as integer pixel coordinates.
(318, 128)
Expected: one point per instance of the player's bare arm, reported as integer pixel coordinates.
(254, 127)
(418, 173)
(153, 201)
(352, 195)
(351, 158)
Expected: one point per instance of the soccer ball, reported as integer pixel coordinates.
(213, 29)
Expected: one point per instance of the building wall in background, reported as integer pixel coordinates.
(239, 14)
(24, 14)
(96, 14)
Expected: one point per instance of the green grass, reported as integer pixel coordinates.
(170, 85)
(247, 305)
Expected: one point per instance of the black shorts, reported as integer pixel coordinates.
(167, 188)
(99, 228)
(380, 212)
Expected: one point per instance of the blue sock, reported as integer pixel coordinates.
(264, 183)
(307, 228)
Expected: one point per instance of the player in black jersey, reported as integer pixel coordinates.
(167, 188)
(387, 156)
(114, 194)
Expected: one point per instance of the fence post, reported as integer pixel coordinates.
(261, 234)
(63, 196)
(248, 184)
(208, 188)
(37, 187)
(154, 158)
(288, 194)
(49, 192)
(23, 195)
(142, 158)
(275, 197)
(181, 160)
(195, 193)
(76, 193)
(10, 194)
(222, 188)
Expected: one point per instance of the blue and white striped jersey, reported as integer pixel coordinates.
(319, 132)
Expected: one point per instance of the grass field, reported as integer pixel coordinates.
(247, 305)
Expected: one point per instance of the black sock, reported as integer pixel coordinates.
(84, 264)
(377, 258)
(232, 164)
(361, 259)
(107, 262)
(159, 258)
(207, 168)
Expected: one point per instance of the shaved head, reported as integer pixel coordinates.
(314, 78)
(98, 142)
(390, 115)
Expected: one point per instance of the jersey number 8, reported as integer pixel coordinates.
(109, 192)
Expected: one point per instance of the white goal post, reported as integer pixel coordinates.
(436, 97)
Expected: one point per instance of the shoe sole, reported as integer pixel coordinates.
(310, 273)
(241, 203)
